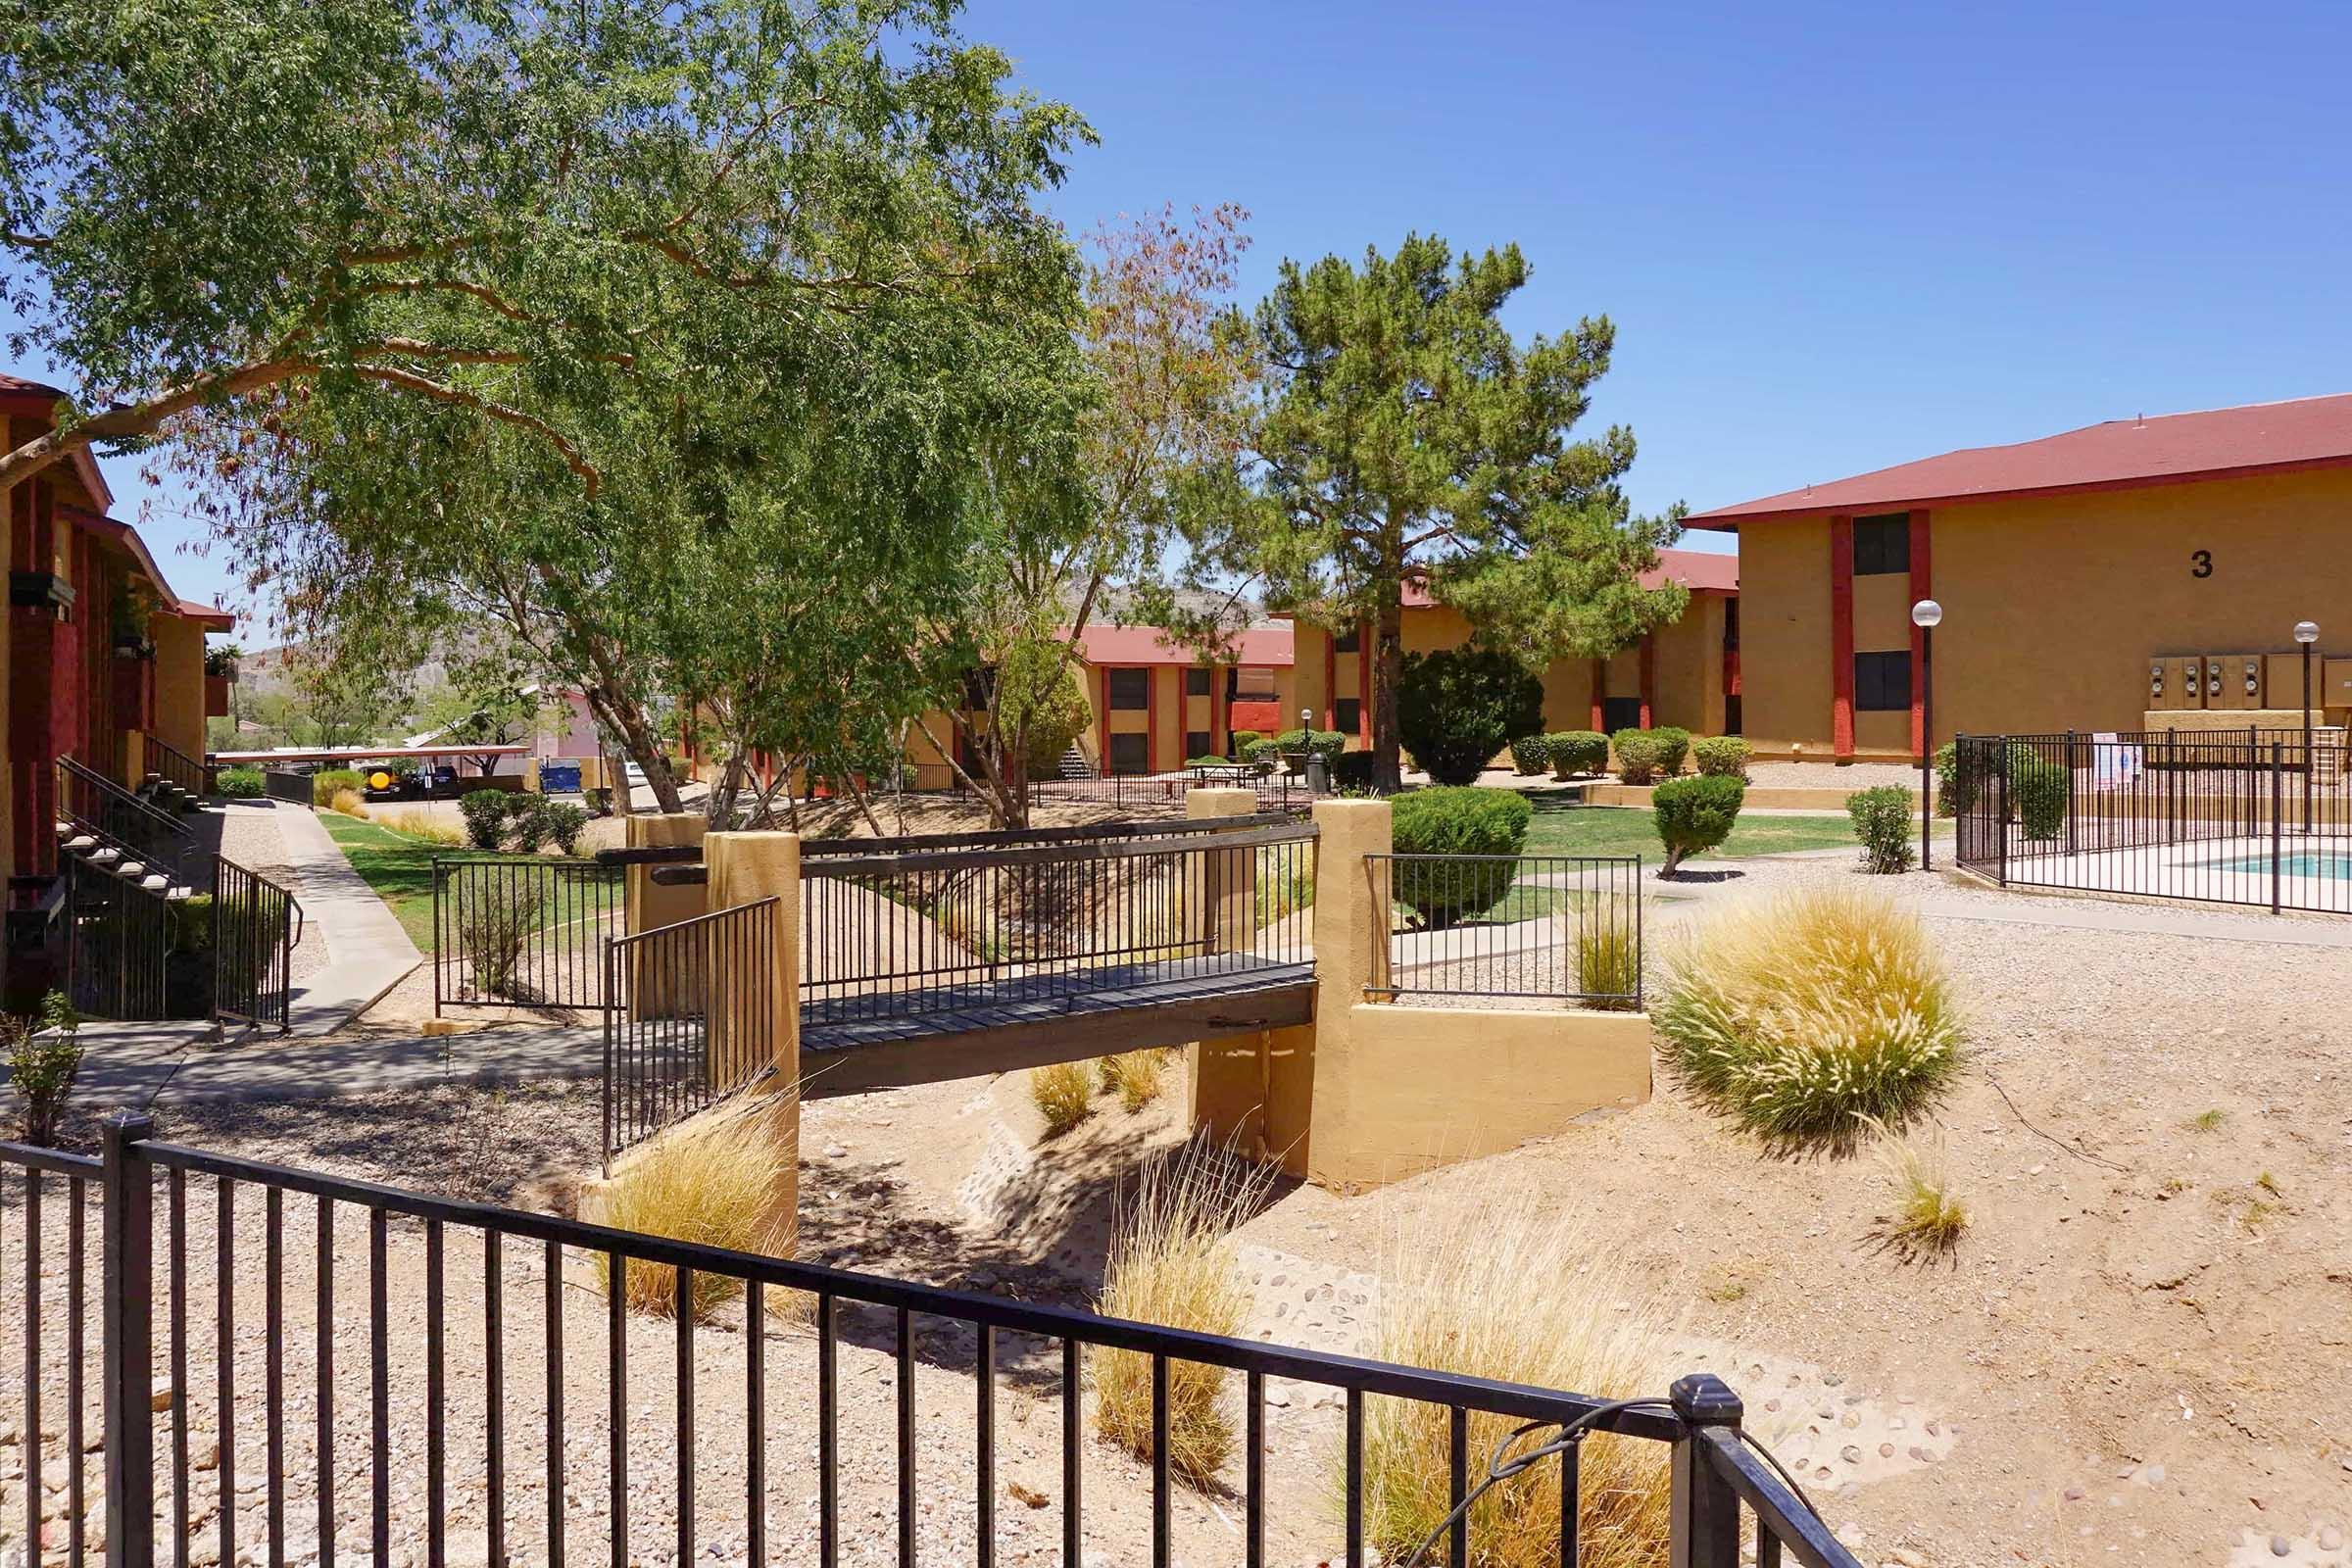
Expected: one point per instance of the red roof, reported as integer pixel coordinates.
(39, 397)
(2305, 433)
(1259, 646)
(210, 617)
(1700, 570)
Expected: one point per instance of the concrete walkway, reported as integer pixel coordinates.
(367, 952)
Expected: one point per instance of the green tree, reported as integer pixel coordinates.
(1457, 707)
(1404, 433)
(497, 304)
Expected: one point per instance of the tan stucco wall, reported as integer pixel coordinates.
(2054, 606)
(179, 683)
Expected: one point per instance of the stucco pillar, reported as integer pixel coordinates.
(1350, 958)
(746, 867)
(1227, 905)
(134, 759)
(649, 905)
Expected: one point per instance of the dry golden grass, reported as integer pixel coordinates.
(1172, 1263)
(1929, 1216)
(1134, 1076)
(348, 802)
(1063, 1093)
(1803, 1016)
(424, 826)
(1525, 1298)
(722, 1180)
(1608, 961)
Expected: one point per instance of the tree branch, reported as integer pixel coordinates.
(504, 413)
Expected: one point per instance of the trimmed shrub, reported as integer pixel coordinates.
(562, 822)
(1721, 756)
(485, 813)
(1673, 747)
(1694, 816)
(1801, 1016)
(1954, 792)
(1576, 751)
(1883, 825)
(1242, 740)
(1530, 754)
(238, 783)
(1456, 822)
(719, 1180)
(1173, 1263)
(1455, 710)
(1640, 754)
(188, 923)
(1352, 770)
(1521, 1295)
(1262, 750)
(2039, 788)
(328, 783)
(1062, 1094)
(1329, 741)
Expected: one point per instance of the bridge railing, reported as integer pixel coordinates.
(947, 927)
(378, 1368)
(690, 1017)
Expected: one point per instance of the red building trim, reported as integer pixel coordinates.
(1922, 587)
(1841, 636)
(1601, 693)
(1152, 720)
(1649, 676)
(1102, 721)
(1217, 738)
(1364, 684)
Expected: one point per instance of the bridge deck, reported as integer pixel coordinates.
(892, 1039)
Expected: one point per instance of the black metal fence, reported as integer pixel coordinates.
(691, 1021)
(256, 925)
(2250, 816)
(92, 801)
(947, 927)
(407, 1372)
(526, 932)
(293, 788)
(118, 944)
(1551, 927)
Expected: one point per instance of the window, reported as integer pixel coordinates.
(1198, 744)
(1620, 713)
(1131, 753)
(1347, 715)
(1255, 683)
(1195, 681)
(1348, 641)
(1731, 625)
(1883, 545)
(1882, 682)
(1130, 689)
(1731, 716)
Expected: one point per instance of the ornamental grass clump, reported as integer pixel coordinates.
(1524, 1297)
(1062, 1093)
(1173, 1263)
(721, 1180)
(1803, 1017)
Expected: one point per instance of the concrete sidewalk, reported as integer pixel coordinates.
(367, 952)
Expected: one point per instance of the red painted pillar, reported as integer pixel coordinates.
(1363, 683)
(1601, 693)
(1152, 720)
(1649, 676)
(1331, 685)
(1218, 674)
(45, 678)
(1841, 636)
(1103, 722)
(1923, 586)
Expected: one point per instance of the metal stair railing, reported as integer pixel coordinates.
(91, 801)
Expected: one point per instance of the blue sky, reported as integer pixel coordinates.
(1831, 236)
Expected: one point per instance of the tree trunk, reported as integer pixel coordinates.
(639, 743)
(1387, 665)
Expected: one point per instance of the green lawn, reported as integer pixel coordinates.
(1632, 830)
(399, 867)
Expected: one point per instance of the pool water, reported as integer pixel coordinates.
(2308, 862)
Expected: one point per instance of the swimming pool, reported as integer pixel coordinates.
(2313, 864)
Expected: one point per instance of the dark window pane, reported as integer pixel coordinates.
(1196, 744)
(1347, 715)
(1883, 545)
(1731, 624)
(1731, 715)
(1620, 713)
(1348, 641)
(1130, 689)
(1131, 753)
(1882, 682)
(1195, 682)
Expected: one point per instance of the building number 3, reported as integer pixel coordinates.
(2203, 563)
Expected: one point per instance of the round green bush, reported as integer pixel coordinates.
(1694, 816)
(1640, 754)
(2039, 788)
(1576, 751)
(1721, 756)
(1674, 746)
(1881, 818)
(1955, 780)
(1456, 709)
(485, 813)
(1530, 754)
(238, 783)
(1242, 740)
(1456, 821)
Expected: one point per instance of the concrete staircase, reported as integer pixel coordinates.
(100, 850)
(166, 796)
(1074, 764)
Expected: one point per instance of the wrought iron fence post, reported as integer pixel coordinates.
(2276, 802)
(127, 1340)
(2074, 810)
(2000, 817)
(1706, 1510)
